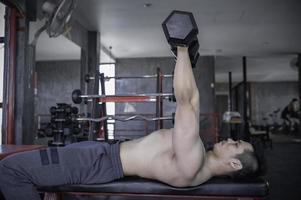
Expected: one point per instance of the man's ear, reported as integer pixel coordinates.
(235, 164)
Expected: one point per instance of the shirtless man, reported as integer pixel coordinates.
(174, 156)
(177, 156)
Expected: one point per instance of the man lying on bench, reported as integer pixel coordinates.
(174, 156)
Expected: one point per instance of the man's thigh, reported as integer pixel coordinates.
(56, 166)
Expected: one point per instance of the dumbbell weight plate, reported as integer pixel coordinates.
(76, 96)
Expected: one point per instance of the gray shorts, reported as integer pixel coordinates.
(79, 163)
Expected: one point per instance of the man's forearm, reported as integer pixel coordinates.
(184, 82)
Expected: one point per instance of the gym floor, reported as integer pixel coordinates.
(284, 168)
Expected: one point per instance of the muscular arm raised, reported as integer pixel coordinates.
(188, 148)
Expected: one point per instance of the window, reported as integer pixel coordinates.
(109, 70)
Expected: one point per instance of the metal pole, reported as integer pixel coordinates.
(299, 85)
(230, 104)
(246, 132)
(230, 92)
(158, 108)
(104, 107)
(12, 76)
(137, 77)
(160, 98)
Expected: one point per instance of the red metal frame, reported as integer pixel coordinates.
(138, 99)
(10, 139)
(124, 99)
(103, 131)
(159, 102)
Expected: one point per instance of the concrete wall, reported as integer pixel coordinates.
(267, 97)
(56, 81)
(205, 80)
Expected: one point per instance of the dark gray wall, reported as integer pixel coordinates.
(205, 80)
(267, 97)
(56, 81)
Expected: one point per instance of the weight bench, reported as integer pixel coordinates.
(214, 189)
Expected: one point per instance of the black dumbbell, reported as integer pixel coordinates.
(181, 29)
(75, 110)
(68, 109)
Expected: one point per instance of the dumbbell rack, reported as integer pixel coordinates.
(103, 131)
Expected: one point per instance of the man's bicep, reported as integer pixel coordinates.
(187, 144)
(186, 120)
(186, 130)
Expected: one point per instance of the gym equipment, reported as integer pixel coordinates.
(124, 119)
(107, 78)
(215, 188)
(180, 28)
(77, 97)
(230, 116)
(62, 127)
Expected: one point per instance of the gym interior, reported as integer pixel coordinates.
(74, 70)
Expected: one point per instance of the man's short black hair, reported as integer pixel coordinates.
(253, 163)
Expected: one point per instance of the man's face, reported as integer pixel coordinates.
(230, 148)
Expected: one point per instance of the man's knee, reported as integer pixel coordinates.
(6, 174)
(6, 169)
(10, 169)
